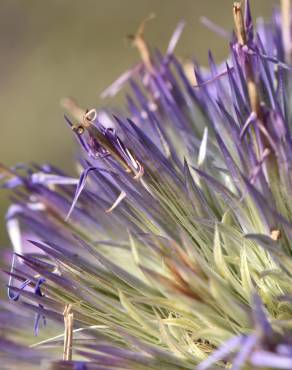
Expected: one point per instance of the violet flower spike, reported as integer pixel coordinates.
(172, 244)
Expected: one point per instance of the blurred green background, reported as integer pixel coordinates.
(55, 48)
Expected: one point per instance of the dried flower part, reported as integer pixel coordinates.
(68, 335)
(275, 234)
(140, 43)
(286, 29)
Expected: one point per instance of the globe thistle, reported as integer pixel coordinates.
(172, 248)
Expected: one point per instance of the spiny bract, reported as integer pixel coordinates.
(172, 250)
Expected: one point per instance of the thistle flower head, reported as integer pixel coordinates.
(172, 249)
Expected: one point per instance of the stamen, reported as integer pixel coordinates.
(286, 29)
(68, 334)
(239, 24)
(140, 43)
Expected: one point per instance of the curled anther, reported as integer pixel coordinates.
(90, 115)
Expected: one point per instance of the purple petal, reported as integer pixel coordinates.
(215, 28)
(265, 359)
(79, 188)
(175, 37)
(244, 351)
(226, 349)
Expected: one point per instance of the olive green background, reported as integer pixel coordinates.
(55, 48)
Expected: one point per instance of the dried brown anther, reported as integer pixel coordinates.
(275, 234)
(68, 334)
(139, 42)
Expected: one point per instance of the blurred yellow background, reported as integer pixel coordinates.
(55, 48)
